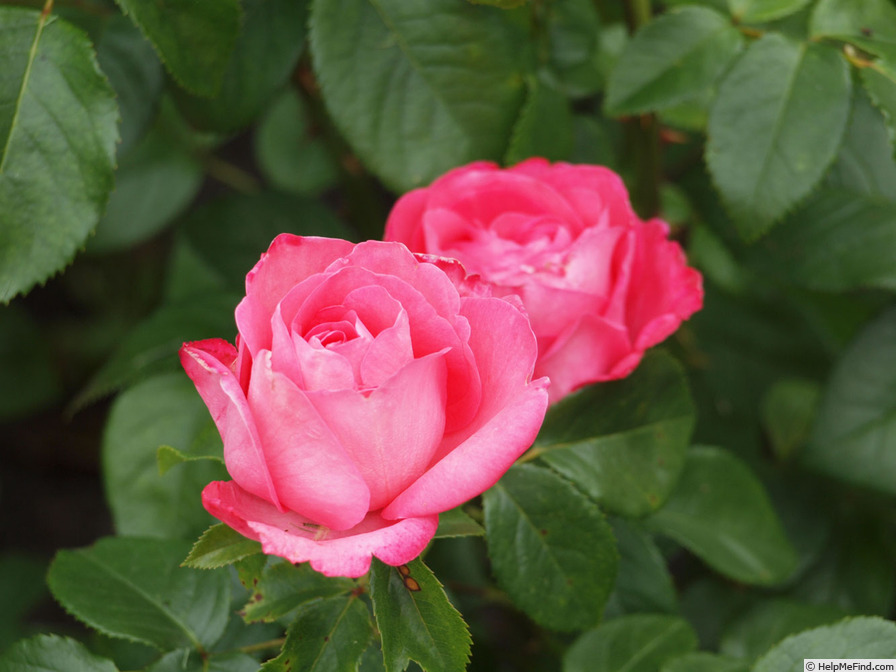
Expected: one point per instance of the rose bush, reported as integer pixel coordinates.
(600, 285)
(370, 389)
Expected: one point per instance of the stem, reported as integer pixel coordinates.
(643, 138)
(642, 135)
(637, 13)
(231, 175)
(262, 646)
(364, 201)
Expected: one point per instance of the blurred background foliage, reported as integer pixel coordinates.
(762, 130)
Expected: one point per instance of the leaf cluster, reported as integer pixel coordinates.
(728, 506)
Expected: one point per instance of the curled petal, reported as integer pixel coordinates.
(662, 284)
(289, 260)
(221, 392)
(294, 537)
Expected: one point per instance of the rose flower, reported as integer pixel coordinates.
(370, 389)
(599, 284)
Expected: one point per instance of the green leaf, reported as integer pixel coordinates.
(218, 546)
(152, 346)
(329, 635)
(575, 37)
(503, 4)
(761, 11)
(704, 661)
(854, 571)
(418, 87)
(135, 589)
(416, 620)
(570, 552)
(760, 628)
(852, 439)
(644, 584)
(231, 233)
(58, 129)
(272, 35)
(155, 182)
(623, 442)
(639, 643)
(881, 86)
(822, 248)
(709, 604)
(22, 589)
(456, 523)
(787, 411)
(869, 25)
(874, 637)
(49, 653)
(194, 38)
(186, 660)
(674, 58)
(136, 74)
(762, 154)
(287, 153)
(283, 587)
(544, 127)
(865, 163)
(164, 410)
(721, 513)
(168, 457)
(28, 378)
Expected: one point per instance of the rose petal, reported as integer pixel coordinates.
(483, 196)
(662, 283)
(392, 432)
(589, 352)
(323, 369)
(289, 260)
(221, 392)
(294, 537)
(310, 469)
(504, 349)
(391, 350)
(431, 331)
(402, 225)
(596, 193)
(479, 462)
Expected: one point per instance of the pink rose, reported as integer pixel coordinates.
(370, 390)
(600, 285)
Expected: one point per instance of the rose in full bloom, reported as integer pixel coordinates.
(600, 285)
(370, 389)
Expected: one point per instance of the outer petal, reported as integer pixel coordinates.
(505, 349)
(662, 284)
(289, 260)
(221, 392)
(476, 465)
(291, 536)
(392, 432)
(591, 351)
(310, 469)
(512, 410)
(404, 220)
